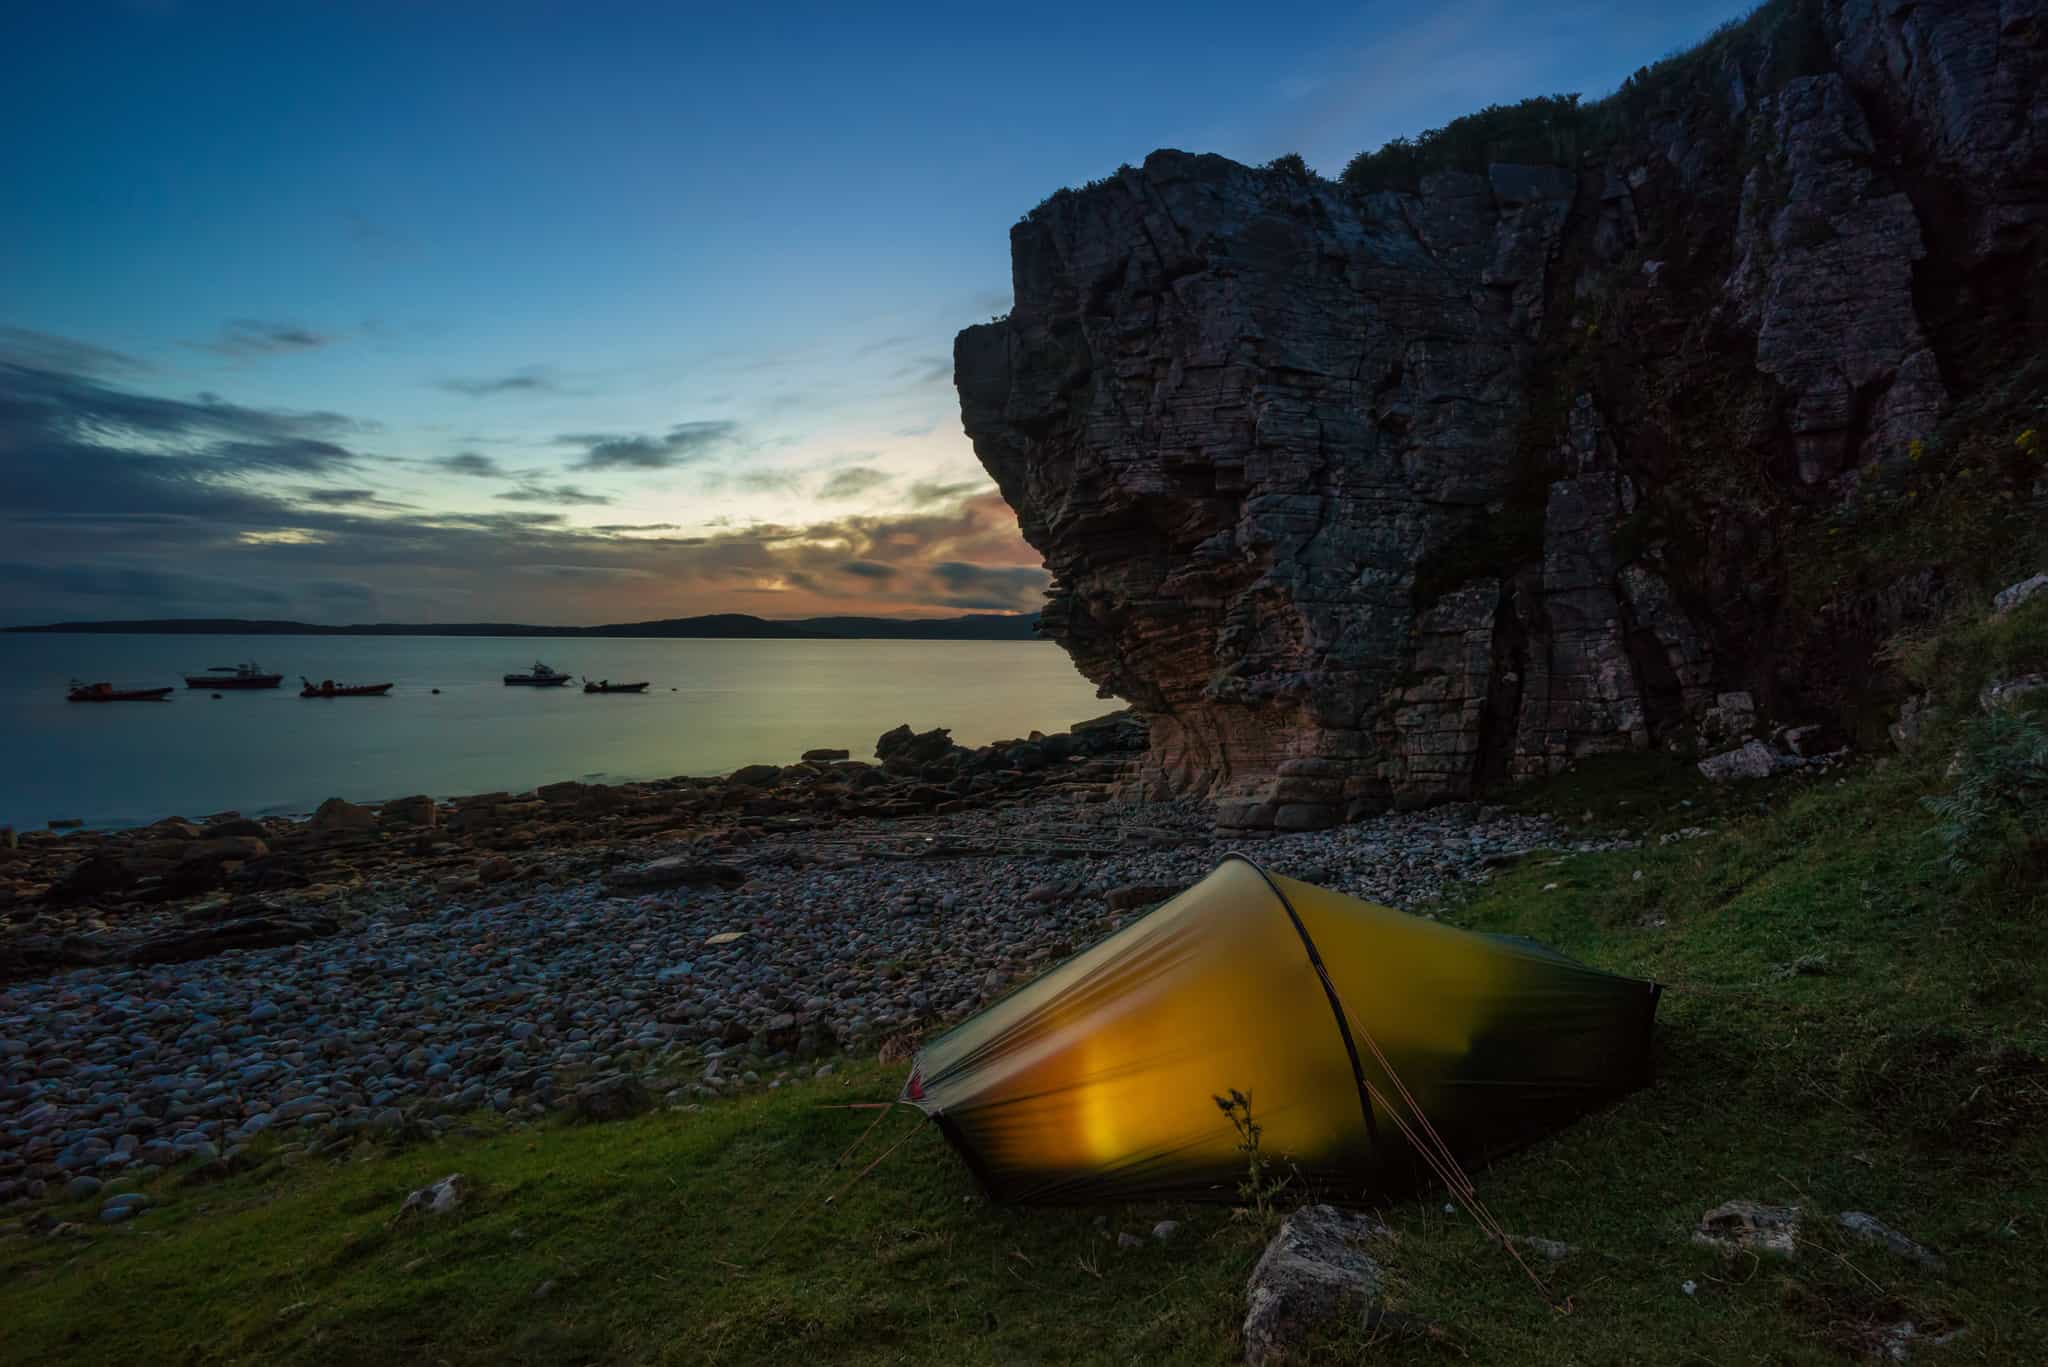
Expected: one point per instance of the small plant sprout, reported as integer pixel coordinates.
(1259, 1189)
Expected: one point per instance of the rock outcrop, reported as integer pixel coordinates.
(1312, 1275)
(1372, 498)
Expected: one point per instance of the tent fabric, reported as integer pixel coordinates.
(1098, 1080)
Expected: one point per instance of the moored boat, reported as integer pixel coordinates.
(607, 686)
(248, 675)
(540, 676)
(106, 692)
(328, 688)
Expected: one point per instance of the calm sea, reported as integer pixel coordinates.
(712, 707)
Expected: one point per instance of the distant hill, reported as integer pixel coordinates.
(723, 625)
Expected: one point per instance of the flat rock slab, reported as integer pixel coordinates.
(1750, 1226)
(1872, 1230)
(249, 932)
(1753, 760)
(1312, 1272)
(676, 871)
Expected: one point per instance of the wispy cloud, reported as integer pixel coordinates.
(282, 455)
(926, 370)
(869, 569)
(568, 495)
(245, 337)
(347, 498)
(998, 588)
(47, 351)
(926, 493)
(471, 464)
(125, 504)
(530, 380)
(680, 445)
(587, 573)
(852, 483)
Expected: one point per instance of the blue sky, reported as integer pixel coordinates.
(557, 272)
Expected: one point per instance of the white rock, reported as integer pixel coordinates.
(1751, 760)
(1752, 1225)
(2016, 594)
(438, 1198)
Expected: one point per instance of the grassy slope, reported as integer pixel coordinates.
(1903, 1079)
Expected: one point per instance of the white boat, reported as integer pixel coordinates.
(540, 676)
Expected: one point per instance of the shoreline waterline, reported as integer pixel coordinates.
(714, 706)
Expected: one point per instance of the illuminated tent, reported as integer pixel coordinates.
(1098, 1080)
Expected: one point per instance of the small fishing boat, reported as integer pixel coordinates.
(607, 686)
(249, 675)
(106, 692)
(328, 688)
(540, 676)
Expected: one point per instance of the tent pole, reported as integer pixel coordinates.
(1315, 958)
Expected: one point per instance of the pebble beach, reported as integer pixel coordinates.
(730, 950)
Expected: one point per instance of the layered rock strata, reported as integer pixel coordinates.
(1378, 498)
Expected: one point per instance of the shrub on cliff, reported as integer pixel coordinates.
(1743, 59)
(1952, 665)
(1543, 129)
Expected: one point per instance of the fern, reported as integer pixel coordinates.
(2001, 782)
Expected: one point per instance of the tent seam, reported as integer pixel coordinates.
(1315, 958)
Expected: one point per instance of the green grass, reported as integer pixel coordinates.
(1847, 1027)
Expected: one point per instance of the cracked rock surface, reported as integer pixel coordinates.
(1381, 498)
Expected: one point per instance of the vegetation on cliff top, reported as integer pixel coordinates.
(1757, 54)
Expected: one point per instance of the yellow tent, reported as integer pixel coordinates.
(1099, 1080)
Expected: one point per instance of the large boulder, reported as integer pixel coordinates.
(337, 817)
(1464, 475)
(1753, 759)
(904, 751)
(417, 812)
(94, 876)
(1315, 1272)
(756, 776)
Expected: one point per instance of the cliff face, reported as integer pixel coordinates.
(1382, 497)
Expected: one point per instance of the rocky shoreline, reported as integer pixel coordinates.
(594, 949)
(183, 888)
